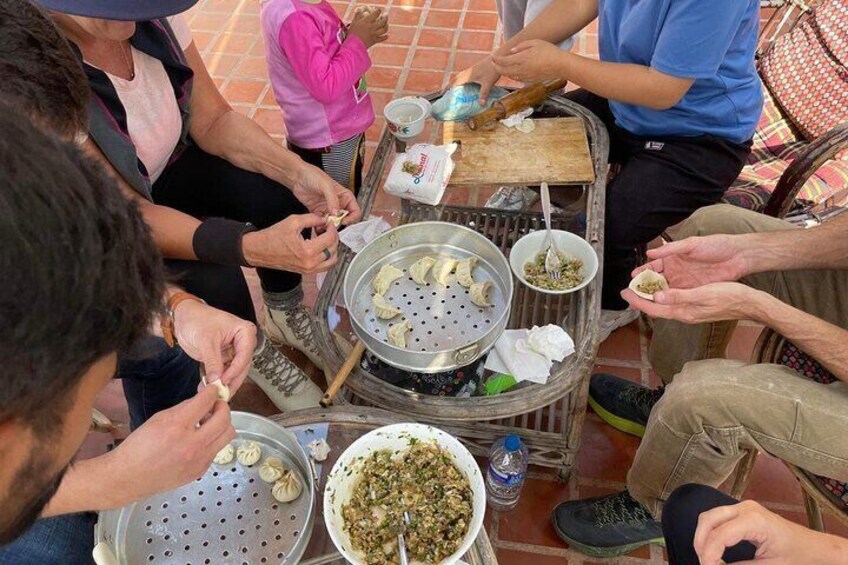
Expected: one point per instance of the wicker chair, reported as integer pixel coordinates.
(796, 170)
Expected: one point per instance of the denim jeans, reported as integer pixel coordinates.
(155, 377)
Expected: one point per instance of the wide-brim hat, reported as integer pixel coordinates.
(121, 10)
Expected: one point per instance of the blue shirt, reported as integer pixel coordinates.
(710, 41)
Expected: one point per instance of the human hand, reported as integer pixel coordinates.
(282, 246)
(322, 195)
(712, 302)
(778, 541)
(484, 74)
(173, 448)
(531, 61)
(222, 342)
(370, 25)
(696, 261)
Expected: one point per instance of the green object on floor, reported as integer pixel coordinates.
(499, 383)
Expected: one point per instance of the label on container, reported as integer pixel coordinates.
(508, 480)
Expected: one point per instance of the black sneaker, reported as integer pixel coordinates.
(607, 526)
(622, 404)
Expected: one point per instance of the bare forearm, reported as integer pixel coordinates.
(559, 21)
(88, 486)
(820, 247)
(245, 144)
(624, 82)
(821, 340)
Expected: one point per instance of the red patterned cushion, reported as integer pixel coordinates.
(805, 70)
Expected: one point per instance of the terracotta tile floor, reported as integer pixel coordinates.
(431, 40)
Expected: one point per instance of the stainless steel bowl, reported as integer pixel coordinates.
(448, 330)
(226, 516)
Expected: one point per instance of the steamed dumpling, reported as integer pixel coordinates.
(418, 271)
(287, 488)
(384, 309)
(225, 455)
(479, 293)
(442, 270)
(271, 470)
(248, 453)
(463, 271)
(397, 333)
(385, 277)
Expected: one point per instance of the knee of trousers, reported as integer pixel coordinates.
(703, 393)
(715, 219)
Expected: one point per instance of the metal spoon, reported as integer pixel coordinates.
(404, 559)
(553, 264)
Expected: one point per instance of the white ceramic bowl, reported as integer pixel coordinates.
(406, 116)
(572, 245)
(341, 482)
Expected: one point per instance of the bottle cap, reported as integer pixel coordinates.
(512, 443)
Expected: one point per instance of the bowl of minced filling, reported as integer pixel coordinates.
(404, 468)
(578, 259)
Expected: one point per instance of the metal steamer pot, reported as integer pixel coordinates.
(448, 330)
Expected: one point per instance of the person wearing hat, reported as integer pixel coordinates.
(216, 190)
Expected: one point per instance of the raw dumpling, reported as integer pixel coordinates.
(479, 293)
(418, 271)
(287, 488)
(336, 220)
(463, 271)
(442, 270)
(647, 283)
(397, 333)
(248, 453)
(383, 308)
(384, 279)
(225, 455)
(223, 390)
(319, 449)
(271, 470)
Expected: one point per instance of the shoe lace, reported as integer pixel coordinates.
(642, 397)
(620, 509)
(300, 321)
(278, 369)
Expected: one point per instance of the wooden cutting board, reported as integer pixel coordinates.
(556, 152)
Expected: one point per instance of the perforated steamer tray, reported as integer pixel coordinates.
(228, 516)
(448, 330)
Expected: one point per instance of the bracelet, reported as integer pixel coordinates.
(218, 240)
(166, 321)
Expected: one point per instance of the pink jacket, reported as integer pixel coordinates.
(316, 71)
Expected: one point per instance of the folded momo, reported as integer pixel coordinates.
(442, 270)
(463, 271)
(248, 453)
(418, 271)
(287, 488)
(384, 309)
(479, 293)
(225, 455)
(271, 470)
(385, 277)
(397, 333)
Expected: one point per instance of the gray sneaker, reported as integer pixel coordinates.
(611, 320)
(513, 198)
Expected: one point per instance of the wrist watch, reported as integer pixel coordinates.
(166, 320)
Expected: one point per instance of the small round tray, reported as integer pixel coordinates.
(226, 516)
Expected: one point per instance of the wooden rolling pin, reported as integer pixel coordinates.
(527, 97)
(343, 373)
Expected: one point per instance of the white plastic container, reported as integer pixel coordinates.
(343, 479)
(406, 116)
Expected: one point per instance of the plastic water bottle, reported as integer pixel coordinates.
(505, 476)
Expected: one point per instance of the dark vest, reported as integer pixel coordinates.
(108, 119)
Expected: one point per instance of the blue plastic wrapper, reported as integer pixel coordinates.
(461, 102)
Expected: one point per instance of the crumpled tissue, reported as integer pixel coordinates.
(528, 355)
(520, 121)
(358, 235)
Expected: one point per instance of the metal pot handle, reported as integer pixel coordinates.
(465, 355)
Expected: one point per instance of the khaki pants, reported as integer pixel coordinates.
(716, 409)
